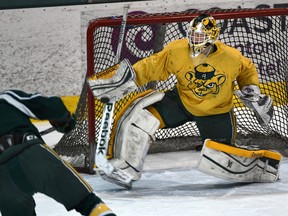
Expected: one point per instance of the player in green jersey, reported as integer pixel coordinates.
(28, 165)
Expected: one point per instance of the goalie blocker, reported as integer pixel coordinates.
(239, 164)
(113, 83)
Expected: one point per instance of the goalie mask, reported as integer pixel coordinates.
(201, 32)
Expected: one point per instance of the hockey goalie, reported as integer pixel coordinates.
(205, 70)
(135, 129)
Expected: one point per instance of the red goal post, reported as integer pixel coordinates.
(261, 34)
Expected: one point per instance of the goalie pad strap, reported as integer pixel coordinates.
(237, 167)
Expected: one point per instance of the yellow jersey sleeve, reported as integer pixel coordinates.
(158, 67)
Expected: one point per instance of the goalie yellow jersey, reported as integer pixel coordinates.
(205, 84)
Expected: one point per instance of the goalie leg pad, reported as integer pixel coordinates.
(134, 133)
(237, 164)
(133, 152)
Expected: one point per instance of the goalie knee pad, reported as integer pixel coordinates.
(133, 135)
(238, 164)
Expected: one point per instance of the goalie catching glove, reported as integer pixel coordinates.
(261, 105)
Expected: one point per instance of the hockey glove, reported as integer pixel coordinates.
(65, 125)
(261, 105)
(116, 87)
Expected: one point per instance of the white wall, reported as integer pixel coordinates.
(43, 49)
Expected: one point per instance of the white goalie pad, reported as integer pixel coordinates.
(237, 164)
(116, 87)
(133, 135)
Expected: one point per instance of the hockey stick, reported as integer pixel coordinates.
(46, 131)
(122, 33)
(107, 120)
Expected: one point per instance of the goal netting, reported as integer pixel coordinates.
(260, 34)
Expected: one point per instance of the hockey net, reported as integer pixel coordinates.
(260, 34)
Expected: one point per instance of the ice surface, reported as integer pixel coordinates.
(172, 186)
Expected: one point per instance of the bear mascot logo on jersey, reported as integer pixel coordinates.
(204, 81)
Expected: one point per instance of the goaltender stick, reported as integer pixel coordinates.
(206, 71)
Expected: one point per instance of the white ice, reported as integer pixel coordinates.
(172, 186)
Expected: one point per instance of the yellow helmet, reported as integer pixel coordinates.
(202, 30)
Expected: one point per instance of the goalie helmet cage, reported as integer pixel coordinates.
(261, 35)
